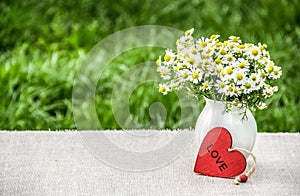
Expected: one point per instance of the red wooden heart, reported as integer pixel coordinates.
(214, 159)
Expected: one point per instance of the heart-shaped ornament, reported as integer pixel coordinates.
(214, 159)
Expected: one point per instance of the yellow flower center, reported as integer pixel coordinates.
(205, 85)
(195, 75)
(167, 57)
(234, 39)
(219, 44)
(213, 36)
(242, 65)
(191, 61)
(185, 75)
(222, 85)
(253, 78)
(229, 58)
(270, 68)
(182, 65)
(247, 85)
(209, 50)
(237, 50)
(276, 72)
(255, 52)
(222, 73)
(162, 89)
(190, 31)
(241, 46)
(203, 44)
(203, 56)
(194, 51)
(229, 71)
(158, 62)
(262, 75)
(223, 52)
(239, 76)
(218, 61)
(164, 73)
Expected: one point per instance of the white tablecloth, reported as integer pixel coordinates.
(62, 163)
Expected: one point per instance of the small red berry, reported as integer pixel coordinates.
(244, 178)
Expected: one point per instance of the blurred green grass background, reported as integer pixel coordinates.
(43, 43)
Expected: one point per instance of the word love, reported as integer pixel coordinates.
(215, 154)
(214, 159)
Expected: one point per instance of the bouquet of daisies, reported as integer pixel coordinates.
(236, 73)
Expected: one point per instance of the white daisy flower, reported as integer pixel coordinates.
(236, 92)
(276, 72)
(214, 37)
(234, 39)
(262, 74)
(169, 57)
(269, 67)
(239, 77)
(195, 76)
(165, 72)
(174, 86)
(189, 32)
(194, 57)
(208, 68)
(222, 52)
(262, 47)
(264, 52)
(187, 48)
(218, 61)
(263, 63)
(205, 86)
(202, 43)
(231, 90)
(220, 86)
(242, 64)
(269, 90)
(164, 89)
(261, 105)
(228, 59)
(158, 61)
(183, 75)
(247, 87)
(259, 84)
(254, 77)
(256, 81)
(228, 73)
(231, 68)
(254, 52)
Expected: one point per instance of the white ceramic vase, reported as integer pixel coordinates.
(243, 132)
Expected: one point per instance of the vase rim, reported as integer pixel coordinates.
(223, 104)
(213, 100)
